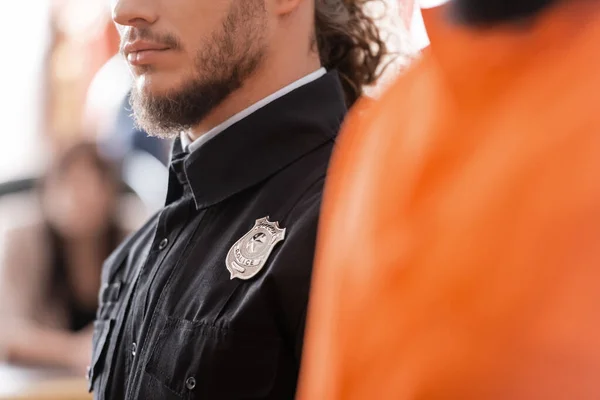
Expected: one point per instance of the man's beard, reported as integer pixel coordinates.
(227, 60)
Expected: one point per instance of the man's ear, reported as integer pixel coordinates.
(284, 7)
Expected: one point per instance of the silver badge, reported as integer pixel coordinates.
(249, 254)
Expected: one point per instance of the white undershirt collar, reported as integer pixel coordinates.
(190, 146)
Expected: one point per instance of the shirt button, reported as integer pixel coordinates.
(163, 244)
(190, 383)
(133, 349)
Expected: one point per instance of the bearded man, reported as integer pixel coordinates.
(208, 299)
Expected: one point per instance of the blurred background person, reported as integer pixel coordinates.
(51, 268)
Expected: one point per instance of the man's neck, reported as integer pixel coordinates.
(266, 81)
(480, 12)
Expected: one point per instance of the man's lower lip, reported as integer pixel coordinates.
(144, 57)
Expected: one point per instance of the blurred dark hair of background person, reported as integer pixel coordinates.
(51, 268)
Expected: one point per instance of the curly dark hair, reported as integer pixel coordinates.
(349, 41)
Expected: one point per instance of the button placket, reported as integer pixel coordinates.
(190, 383)
(163, 244)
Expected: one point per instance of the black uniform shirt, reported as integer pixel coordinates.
(172, 322)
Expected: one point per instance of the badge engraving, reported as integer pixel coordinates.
(249, 254)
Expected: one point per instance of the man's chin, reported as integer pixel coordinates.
(150, 116)
(152, 93)
(165, 110)
(156, 84)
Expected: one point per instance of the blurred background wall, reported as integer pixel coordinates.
(20, 80)
(47, 66)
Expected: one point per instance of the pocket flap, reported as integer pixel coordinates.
(102, 330)
(194, 357)
(109, 293)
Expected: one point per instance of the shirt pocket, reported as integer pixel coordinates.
(103, 326)
(199, 361)
(100, 340)
(109, 300)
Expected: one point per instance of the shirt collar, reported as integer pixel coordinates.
(263, 143)
(191, 145)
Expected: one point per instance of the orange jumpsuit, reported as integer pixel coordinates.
(459, 254)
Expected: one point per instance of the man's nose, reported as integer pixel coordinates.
(135, 13)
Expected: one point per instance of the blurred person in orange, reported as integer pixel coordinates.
(459, 255)
(51, 268)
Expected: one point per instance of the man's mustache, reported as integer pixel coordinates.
(132, 34)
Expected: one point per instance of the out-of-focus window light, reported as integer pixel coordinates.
(417, 27)
(24, 28)
(390, 17)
